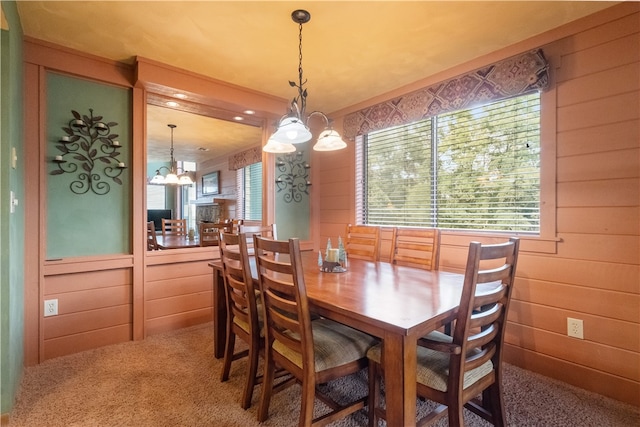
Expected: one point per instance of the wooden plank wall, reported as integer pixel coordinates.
(594, 274)
(178, 289)
(94, 309)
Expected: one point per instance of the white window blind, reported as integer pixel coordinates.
(471, 169)
(249, 180)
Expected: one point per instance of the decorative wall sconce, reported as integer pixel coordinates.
(294, 176)
(90, 149)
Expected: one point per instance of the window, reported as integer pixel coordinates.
(249, 182)
(470, 169)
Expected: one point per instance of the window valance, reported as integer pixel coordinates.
(245, 158)
(513, 76)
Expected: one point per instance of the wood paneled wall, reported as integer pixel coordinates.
(94, 305)
(178, 289)
(594, 274)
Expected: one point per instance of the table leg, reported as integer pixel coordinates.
(400, 379)
(219, 314)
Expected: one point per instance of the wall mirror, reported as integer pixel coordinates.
(202, 144)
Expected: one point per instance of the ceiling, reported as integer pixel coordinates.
(352, 50)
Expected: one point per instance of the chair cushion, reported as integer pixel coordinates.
(245, 326)
(334, 345)
(433, 366)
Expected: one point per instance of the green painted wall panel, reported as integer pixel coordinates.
(87, 224)
(11, 224)
(292, 203)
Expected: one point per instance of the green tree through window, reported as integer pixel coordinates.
(471, 169)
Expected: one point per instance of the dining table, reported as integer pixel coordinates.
(397, 304)
(175, 241)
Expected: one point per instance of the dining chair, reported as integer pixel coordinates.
(176, 227)
(314, 352)
(152, 241)
(453, 371)
(210, 232)
(244, 319)
(416, 247)
(363, 242)
(269, 231)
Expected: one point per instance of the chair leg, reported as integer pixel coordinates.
(267, 388)
(228, 355)
(307, 403)
(251, 377)
(374, 392)
(456, 417)
(493, 402)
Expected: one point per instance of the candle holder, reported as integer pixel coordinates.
(335, 260)
(91, 150)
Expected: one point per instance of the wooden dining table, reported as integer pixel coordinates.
(173, 241)
(397, 304)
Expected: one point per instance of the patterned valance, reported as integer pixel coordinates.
(245, 158)
(513, 76)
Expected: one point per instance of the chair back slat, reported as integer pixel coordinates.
(284, 297)
(239, 287)
(480, 323)
(152, 240)
(416, 247)
(363, 242)
(210, 232)
(175, 227)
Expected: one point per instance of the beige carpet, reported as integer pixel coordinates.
(173, 380)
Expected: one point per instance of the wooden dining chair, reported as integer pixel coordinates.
(452, 371)
(152, 241)
(363, 242)
(210, 233)
(416, 247)
(244, 320)
(177, 227)
(269, 231)
(314, 352)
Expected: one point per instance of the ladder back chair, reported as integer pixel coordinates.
(416, 247)
(452, 371)
(363, 242)
(177, 227)
(210, 232)
(243, 316)
(152, 241)
(314, 352)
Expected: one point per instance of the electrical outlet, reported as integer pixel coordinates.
(50, 307)
(574, 328)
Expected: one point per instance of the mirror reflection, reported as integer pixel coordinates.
(200, 152)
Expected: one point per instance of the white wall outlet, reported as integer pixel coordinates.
(50, 307)
(574, 328)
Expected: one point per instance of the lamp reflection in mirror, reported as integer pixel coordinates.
(292, 128)
(172, 177)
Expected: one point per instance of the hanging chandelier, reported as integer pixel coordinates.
(293, 126)
(172, 177)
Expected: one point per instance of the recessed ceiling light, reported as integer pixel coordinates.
(250, 112)
(180, 95)
(172, 104)
(238, 118)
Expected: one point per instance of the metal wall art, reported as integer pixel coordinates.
(294, 176)
(90, 149)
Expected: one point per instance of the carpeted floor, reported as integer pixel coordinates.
(173, 380)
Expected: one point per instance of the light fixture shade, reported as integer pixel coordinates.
(157, 179)
(329, 140)
(291, 130)
(185, 179)
(171, 178)
(274, 146)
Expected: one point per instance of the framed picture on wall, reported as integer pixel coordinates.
(211, 183)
